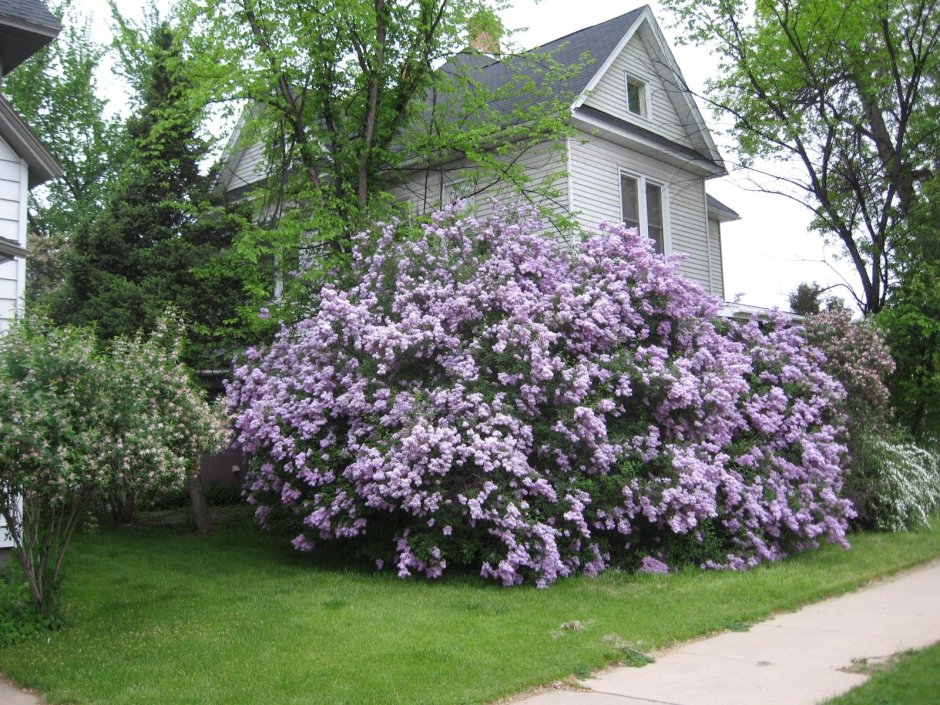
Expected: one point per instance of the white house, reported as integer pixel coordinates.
(25, 27)
(640, 153)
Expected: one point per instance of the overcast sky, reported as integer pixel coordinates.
(766, 254)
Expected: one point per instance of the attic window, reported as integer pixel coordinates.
(636, 96)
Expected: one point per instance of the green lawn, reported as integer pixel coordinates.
(912, 680)
(158, 615)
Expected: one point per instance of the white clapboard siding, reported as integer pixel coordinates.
(424, 190)
(718, 277)
(9, 209)
(250, 168)
(596, 166)
(610, 94)
(13, 194)
(10, 189)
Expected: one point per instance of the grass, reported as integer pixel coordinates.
(912, 679)
(158, 615)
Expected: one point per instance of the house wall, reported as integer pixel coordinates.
(717, 272)
(13, 193)
(250, 167)
(13, 199)
(596, 165)
(424, 190)
(610, 94)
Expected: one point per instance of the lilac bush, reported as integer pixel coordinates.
(486, 395)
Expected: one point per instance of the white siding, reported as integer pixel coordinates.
(610, 94)
(13, 193)
(250, 168)
(596, 166)
(714, 249)
(425, 189)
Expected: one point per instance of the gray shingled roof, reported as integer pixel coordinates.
(714, 204)
(33, 12)
(26, 26)
(589, 47)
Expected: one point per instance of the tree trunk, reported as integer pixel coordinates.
(123, 507)
(197, 500)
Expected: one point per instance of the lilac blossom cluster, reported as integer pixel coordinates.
(487, 395)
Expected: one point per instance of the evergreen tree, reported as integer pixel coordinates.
(158, 241)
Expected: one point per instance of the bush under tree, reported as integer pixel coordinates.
(485, 395)
(76, 422)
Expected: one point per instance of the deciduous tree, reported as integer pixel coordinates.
(845, 90)
(346, 96)
(76, 421)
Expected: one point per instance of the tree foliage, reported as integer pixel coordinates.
(76, 421)
(347, 98)
(847, 91)
(56, 92)
(911, 322)
(158, 240)
(805, 299)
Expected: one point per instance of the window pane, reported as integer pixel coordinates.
(629, 202)
(654, 215)
(634, 96)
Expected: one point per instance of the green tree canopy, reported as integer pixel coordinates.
(55, 91)
(158, 240)
(847, 91)
(347, 97)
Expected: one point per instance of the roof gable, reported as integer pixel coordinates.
(26, 26)
(42, 165)
(643, 48)
(596, 51)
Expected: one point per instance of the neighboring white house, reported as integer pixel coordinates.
(641, 152)
(25, 27)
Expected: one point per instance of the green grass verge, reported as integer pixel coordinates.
(157, 615)
(910, 680)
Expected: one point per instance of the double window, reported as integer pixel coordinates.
(641, 207)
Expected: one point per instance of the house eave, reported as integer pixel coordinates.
(21, 37)
(619, 131)
(10, 250)
(16, 133)
(719, 211)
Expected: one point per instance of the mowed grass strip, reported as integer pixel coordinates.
(156, 615)
(912, 679)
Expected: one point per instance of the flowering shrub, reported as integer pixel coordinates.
(894, 484)
(75, 421)
(486, 395)
(858, 356)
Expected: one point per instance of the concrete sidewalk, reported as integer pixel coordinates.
(13, 696)
(800, 658)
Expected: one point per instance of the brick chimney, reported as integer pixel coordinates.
(485, 30)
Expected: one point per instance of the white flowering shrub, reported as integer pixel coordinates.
(901, 483)
(76, 421)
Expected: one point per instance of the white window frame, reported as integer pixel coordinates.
(642, 181)
(646, 104)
